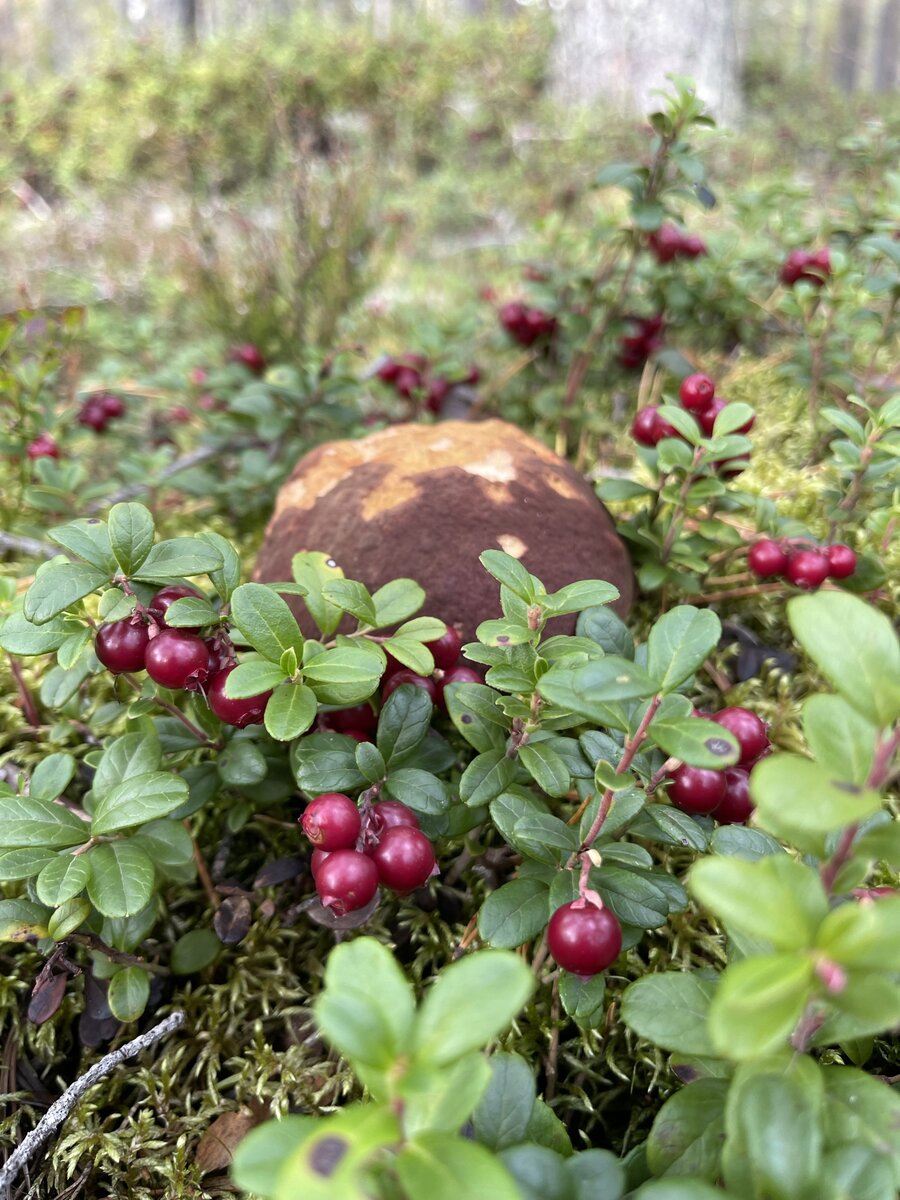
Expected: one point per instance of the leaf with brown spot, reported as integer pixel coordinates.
(232, 920)
(216, 1148)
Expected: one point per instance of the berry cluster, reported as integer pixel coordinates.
(724, 795)
(669, 242)
(698, 396)
(636, 347)
(99, 409)
(248, 356)
(807, 266)
(800, 563)
(449, 668)
(527, 325)
(43, 446)
(584, 938)
(358, 848)
(178, 659)
(410, 375)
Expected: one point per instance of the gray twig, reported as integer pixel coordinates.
(60, 1109)
(30, 546)
(192, 459)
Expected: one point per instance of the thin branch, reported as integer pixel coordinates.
(61, 1108)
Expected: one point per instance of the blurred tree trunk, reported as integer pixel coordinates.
(851, 16)
(887, 47)
(187, 17)
(621, 50)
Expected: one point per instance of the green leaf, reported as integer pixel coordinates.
(662, 823)
(444, 1167)
(25, 821)
(856, 649)
(177, 557)
(195, 951)
(681, 1189)
(575, 597)
(857, 1173)
(21, 920)
(332, 1162)
(138, 799)
(191, 612)
(584, 999)
(441, 1098)
(290, 711)
(242, 763)
(505, 633)
(737, 841)
(115, 605)
(57, 585)
(774, 898)
(227, 577)
(411, 653)
(252, 677)
(352, 597)
(777, 1122)
(868, 1004)
(326, 762)
(514, 913)
(62, 879)
(397, 601)
(612, 635)
(794, 793)
(127, 756)
(419, 790)
(671, 1010)
(841, 741)
(470, 1002)
(51, 776)
(614, 174)
(688, 1132)
(68, 917)
(346, 675)
(86, 538)
(758, 1003)
(312, 570)
(545, 767)
(539, 1172)
(731, 418)
(265, 621)
(502, 1116)
(23, 862)
(544, 837)
(681, 420)
(19, 636)
(129, 991)
(121, 881)
(403, 723)
(546, 1129)
(371, 762)
(864, 1111)
(633, 896)
(588, 688)
(486, 777)
(679, 644)
(509, 572)
(167, 842)
(473, 709)
(259, 1157)
(597, 1175)
(367, 1008)
(863, 935)
(423, 629)
(695, 741)
(131, 533)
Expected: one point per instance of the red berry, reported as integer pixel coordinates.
(647, 426)
(693, 246)
(166, 597)
(388, 814)
(841, 561)
(707, 418)
(584, 939)
(43, 446)
(121, 646)
(437, 393)
(404, 857)
(249, 710)
(197, 376)
(361, 718)
(346, 880)
(460, 674)
(666, 243)
(808, 569)
(766, 559)
(249, 356)
(357, 735)
(407, 381)
(406, 676)
(736, 805)
(332, 821)
(696, 789)
(388, 370)
(750, 731)
(793, 267)
(112, 406)
(178, 414)
(318, 857)
(445, 649)
(697, 392)
(177, 658)
(92, 416)
(818, 266)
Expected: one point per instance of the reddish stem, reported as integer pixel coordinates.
(632, 746)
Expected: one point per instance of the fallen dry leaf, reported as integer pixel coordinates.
(216, 1148)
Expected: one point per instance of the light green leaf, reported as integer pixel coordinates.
(265, 621)
(486, 777)
(774, 898)
(227, 577)
(252, 677)
(121, 880)
(25, 821)
(841, 740)
(397, 601)
(131, 533)
(129, 991)
(510, 572)
(671, 1010)
(51, 777)
(444, 1167)
(22, 920)
(62, 879)
(514, 913)
(348, 674)
(545, 767)
(419, 790)
(177, 557)
(758, 1003)
(794, 793)
(23, 862)
(57, 585)
(86, 538)
(695, 741)
(127, 756)
(290, 711)
(191, 612)
(138, 799)
(679, 644)
(350, 596)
